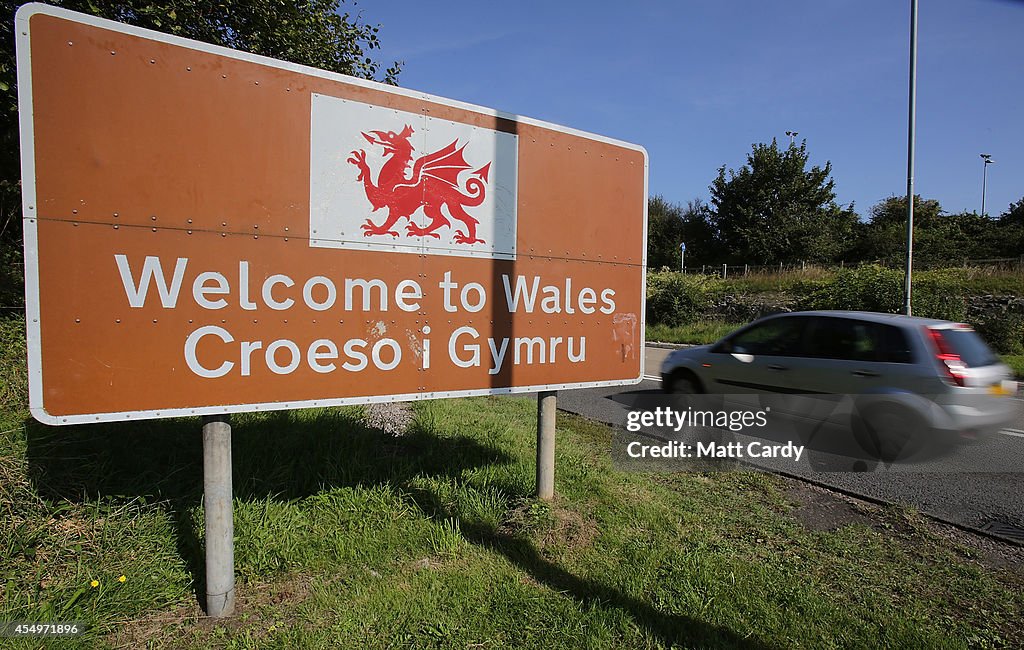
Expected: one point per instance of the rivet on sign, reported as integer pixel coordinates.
(223, 76)
(74, 212)
(118, 320)
(188, 69)
(256, 225)
(76, 224)
(190, 221)
(152, 60)
(69, 42)
(286, 228)
(154, 229)
(112, 52)
(78, 320)
(153, 218)
(154, 320)
(257, 83)
(189, 232)
(223, 223)
(255, 236)
(116, 226)
(223, 234)
(116, 215)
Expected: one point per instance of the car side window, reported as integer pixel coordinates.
(849, 339)
(776, 337)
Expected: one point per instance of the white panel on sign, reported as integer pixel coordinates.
(383, 179)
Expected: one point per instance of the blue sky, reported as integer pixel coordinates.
(698, 82)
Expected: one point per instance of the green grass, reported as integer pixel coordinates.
(696, 333)
(1015, 361)
(348, 538)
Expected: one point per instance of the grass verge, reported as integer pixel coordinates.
(346, 537)
(697, 333)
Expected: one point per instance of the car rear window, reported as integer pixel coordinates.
(966, 344)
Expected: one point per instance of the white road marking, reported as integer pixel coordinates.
(652, 377)
(1013, 432)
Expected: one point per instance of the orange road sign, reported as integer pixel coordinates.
(210, 231)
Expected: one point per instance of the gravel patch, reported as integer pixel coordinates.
(392, 418)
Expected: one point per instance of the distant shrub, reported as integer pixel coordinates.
(865, 288)
(677, 299)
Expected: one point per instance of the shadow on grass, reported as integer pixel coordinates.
(671, 630)
(281, 455)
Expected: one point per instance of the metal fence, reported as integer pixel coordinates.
(1005, 264)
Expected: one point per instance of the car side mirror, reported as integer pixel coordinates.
(723, 347)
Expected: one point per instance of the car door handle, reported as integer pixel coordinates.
(776, 366)
(864, 373)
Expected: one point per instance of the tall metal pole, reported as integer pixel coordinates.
(910, 158)
(220, 527)
(987, 160)
(984, 184)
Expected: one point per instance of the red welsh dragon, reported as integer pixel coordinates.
(431, 184)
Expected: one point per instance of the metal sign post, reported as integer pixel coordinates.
(546, 407)
(220, 526)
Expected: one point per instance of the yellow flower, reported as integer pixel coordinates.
(122, 579)
(95, 583)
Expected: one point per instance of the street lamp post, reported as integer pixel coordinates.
(792, 136)
(987, 158)
(911, 125)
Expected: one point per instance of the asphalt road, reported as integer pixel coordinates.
(978, 485)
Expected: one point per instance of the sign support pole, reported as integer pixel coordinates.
(546, 406)
(217, 494)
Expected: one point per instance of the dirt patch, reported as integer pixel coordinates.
(825, 510)
(258, 608)
(551, 524)
(819, 508)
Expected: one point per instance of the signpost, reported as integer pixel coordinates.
(210, 232)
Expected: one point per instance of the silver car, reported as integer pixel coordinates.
(907, 373)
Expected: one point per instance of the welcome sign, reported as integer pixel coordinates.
(209, 231)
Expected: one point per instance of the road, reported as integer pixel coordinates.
(980, 485)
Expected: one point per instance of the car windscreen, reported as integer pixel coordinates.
(966, 344)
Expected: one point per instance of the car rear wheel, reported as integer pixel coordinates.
(889, 432)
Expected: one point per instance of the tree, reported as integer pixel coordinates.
(664, 233)
(309, 32)
(670, 224)
(774, 209)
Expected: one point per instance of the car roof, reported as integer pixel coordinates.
(873, 316)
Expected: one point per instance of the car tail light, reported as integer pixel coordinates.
(955, 367)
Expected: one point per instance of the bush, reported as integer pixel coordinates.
(866, 288)
(678, 299)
